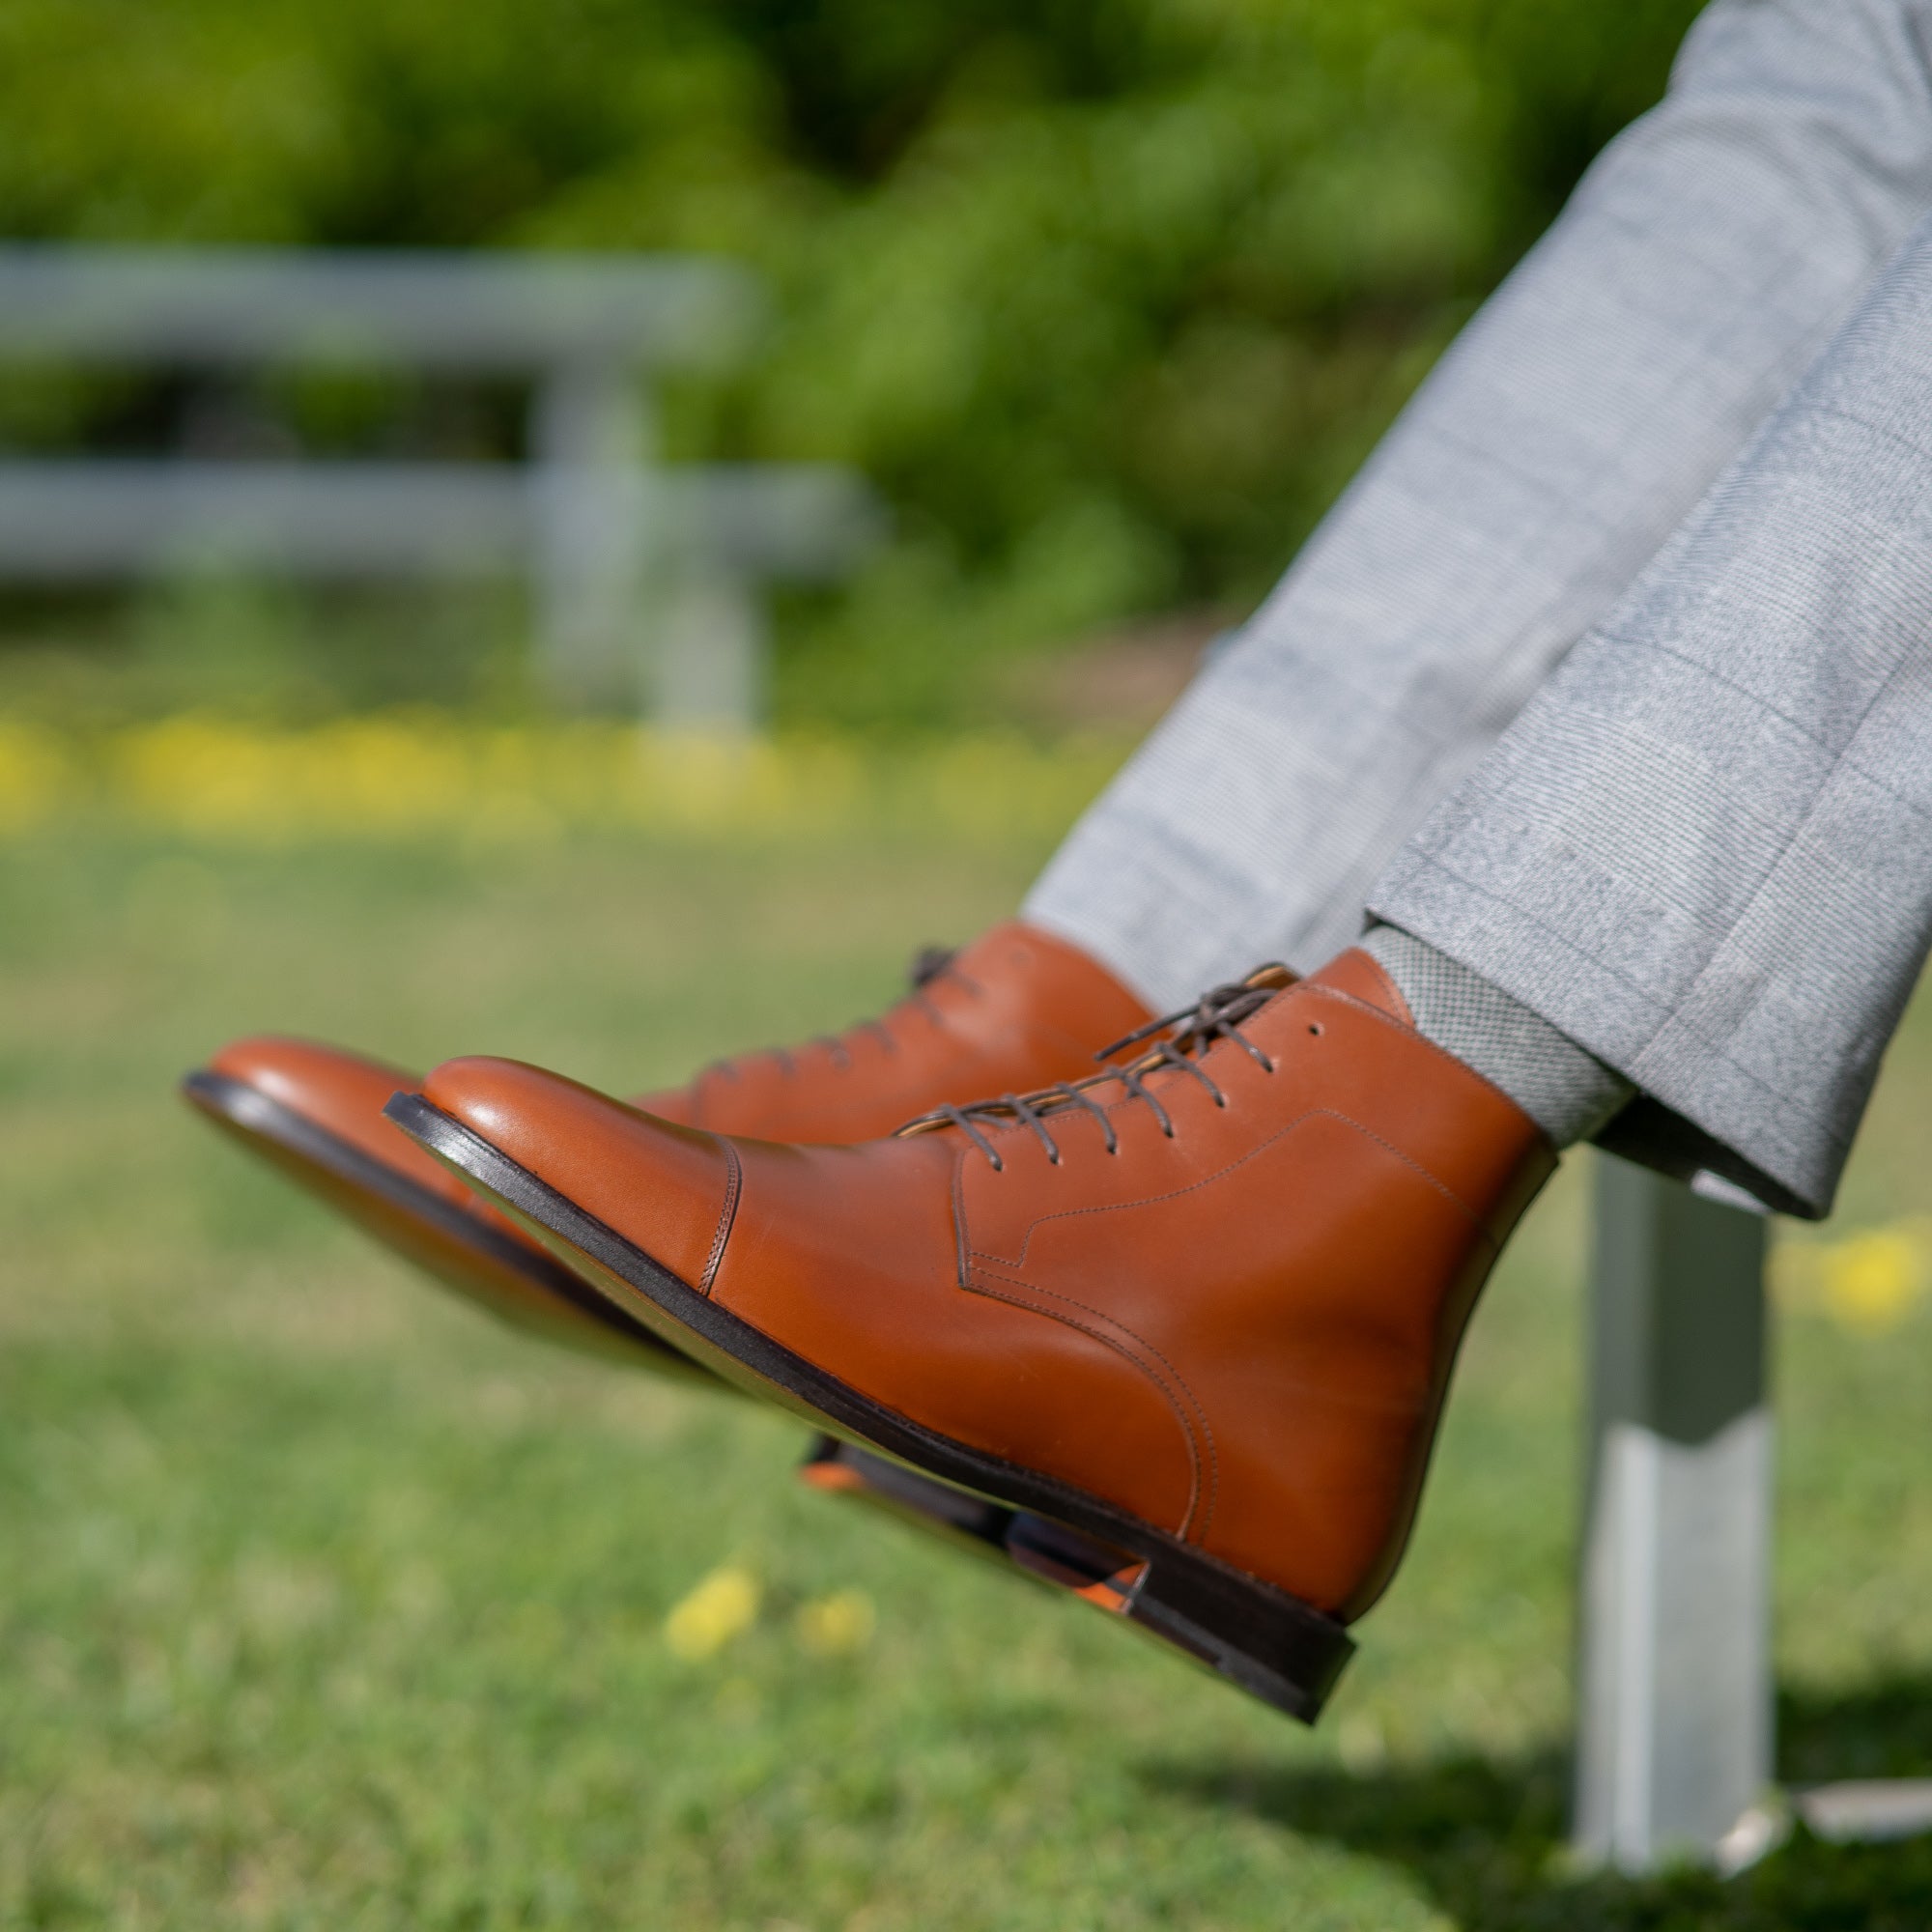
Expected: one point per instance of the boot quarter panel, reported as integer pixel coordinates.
(1302, 1363)
(850, 1257)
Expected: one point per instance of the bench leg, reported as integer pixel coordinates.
(707, 665)
(593, 562)
(1674, 1747)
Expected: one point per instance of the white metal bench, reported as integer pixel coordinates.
(1674, 1757)
(630, 560)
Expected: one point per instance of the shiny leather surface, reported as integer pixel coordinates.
(542, 1121)
(1017, 1009)
(1241, 1332)
(343, 1094)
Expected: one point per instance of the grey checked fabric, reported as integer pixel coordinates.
(1707, 256)
(1704, 850)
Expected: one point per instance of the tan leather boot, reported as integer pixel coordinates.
(1202, 1310)
(314, 1112)
(1015, 1009)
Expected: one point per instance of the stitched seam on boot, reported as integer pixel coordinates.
(1221, 1173)
(1127, 1354)
(734, 1179)
(962, 1248)
(1187, 1428)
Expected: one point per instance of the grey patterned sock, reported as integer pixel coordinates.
(1566, 1091)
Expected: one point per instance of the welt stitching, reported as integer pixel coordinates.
(1127, 1354)
(733, 1185)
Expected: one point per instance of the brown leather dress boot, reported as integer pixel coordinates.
(1015, 1009)
(1202, 1310)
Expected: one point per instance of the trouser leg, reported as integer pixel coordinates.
(1704, 850)
(1703, 261)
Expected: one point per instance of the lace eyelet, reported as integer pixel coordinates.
(1315, 1026)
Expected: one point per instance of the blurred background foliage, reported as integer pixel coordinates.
(1108, 296)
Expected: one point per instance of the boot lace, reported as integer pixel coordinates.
(929, 964)
(1189, 1033)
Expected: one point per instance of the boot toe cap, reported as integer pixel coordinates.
(668, 1190)
(328, 1086)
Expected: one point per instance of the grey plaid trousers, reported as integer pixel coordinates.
(1609, 675)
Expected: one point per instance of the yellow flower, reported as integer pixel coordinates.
(34, 775)
(837, 1624)
(1871, 1281)
(415, 774)
(723, 1606)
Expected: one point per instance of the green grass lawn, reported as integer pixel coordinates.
(323, 1602)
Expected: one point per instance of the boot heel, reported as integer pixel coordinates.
(1271, 1645)
(839, 1468)
(1274, 1646)
(1055, 1555)
(1047, 1551)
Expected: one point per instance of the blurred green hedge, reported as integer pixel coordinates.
(1108, 296)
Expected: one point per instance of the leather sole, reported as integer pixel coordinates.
(533, 1291)
(1272, 1645)
(483, 1264)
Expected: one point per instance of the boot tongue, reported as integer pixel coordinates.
(1359, 975)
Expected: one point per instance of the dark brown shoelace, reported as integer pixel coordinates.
(928, 965)
(1216, 1015)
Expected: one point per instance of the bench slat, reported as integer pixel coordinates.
(92, 519)
(503, 313)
